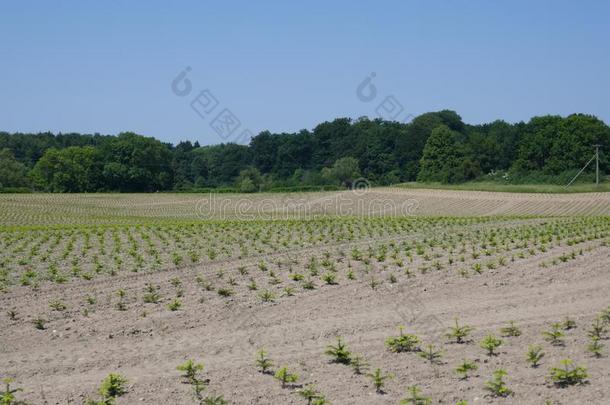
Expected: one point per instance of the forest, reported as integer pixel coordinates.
(433, 147)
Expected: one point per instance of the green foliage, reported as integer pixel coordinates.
(415, 397)
(263, 362)
(358, 364)
(595, 347)
(568, 374)
(459, 332)
(7, 397)
(379, 379)
(285, 377)
(174, 305)
(497, 385)
(555, 335)
(511, 330)
(404, 342)
(311, 394)
(114, 385)
(190, 369)
(431, 354)
(464, 368)
(339, 352)
(534, 355)
(491, 343)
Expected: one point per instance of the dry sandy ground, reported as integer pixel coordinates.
(39, 209)
(66, 362)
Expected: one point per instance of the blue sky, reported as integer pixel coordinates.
(107, 67)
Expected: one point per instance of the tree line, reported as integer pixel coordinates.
(435, 146)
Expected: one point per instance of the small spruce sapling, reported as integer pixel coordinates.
(555, 335)
(464, 368)
(263, 362)
(285, 377)
(339, 352)
(459, 332)
(534, 355)
(497, 385)
(415, 397)
(379, 379)
(404, 342)
(568, 374)
(358, 364)
(431, 354)
(491, 343)
(7, 397)
(511, 330)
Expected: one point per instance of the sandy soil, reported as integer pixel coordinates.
(66, 362)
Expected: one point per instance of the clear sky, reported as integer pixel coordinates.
(107, 67)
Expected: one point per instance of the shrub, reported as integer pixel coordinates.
(379, 379)
(39, 323)
(263, 361)
(459, 332)
(511, 330)
(114, 385)
(285, 377)
(214, 400)
(329, 278)
(464, 368)
(497, 386)
(225, 292)
(431, 354)
(568, 324)
(402, 343)
(7, 397)
(568, 374)
(339, 352)
(174, 305)
(595, 347)
(555, 335)
(490, 343)
(358, 364)
(598, 329)
(190, 370)
(534, 355)
(311, 395)
(267, 296)
(415, 397)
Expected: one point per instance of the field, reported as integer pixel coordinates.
(137, 284)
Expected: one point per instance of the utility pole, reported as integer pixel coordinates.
(597, 164)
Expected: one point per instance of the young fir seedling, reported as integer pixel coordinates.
(534, 355)
(285, 377)
(491, 343)
(113, 386)
(329, 278)
(431, 354)
(464, 368)
(598, 329)
(12, 314)
(379, 379)
(511, 330)
(174, 305)
(555, 335)
(358, 364)
(310, 393)
(57, 305)
(190, 370)
(497, 385)
(214, 400)
(568, 374)
(267, 296)
(263, 362)
(7, 397)
(415, 397)
(39, 323)
(404, 342)
(568, 324)
(339, 352)
(459, 332)
(595, 347)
